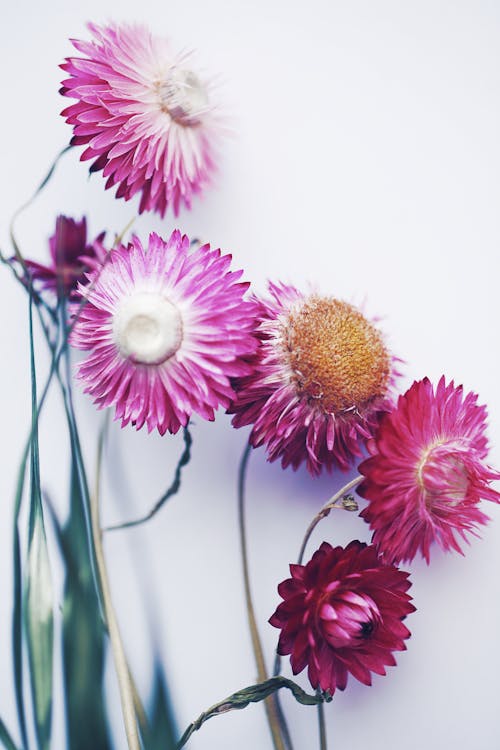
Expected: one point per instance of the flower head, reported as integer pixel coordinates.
(342, 613)
(71, 256)
(427, 473)
(143, 114)
(166, 327)
(320, 380)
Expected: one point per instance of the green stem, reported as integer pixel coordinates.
(172, 490)
(322, 727)
(28, 203)
(270, 704)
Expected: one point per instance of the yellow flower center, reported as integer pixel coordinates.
(337, 357)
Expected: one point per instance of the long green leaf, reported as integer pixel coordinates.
(17, 612)
(253, 694)
(161, 730)
(5, 738)
(40, 631)
(38, 612)
(84, 637)
(17, 617)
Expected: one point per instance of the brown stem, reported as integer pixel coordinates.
(128, 696)
(270, 704)
(325, 511)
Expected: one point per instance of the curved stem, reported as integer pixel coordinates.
(172, 489)
(348, 504)
(28, 203)
(270, 705)
(121, 666)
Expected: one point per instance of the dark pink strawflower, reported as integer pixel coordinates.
(167, 326)
(342, 612)
(427, 473)
(320, 380)
(71, 256)
(144, 115)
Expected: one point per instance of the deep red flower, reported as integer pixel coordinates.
(427, 473)
(71, 257)
(342, 612)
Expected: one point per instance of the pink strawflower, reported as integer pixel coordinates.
(342, 613)
(320, 380)
(144, 115)
(427, 473)
(166, 327)
(71, 256)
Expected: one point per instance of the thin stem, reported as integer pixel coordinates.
(322, 727)
(28, 203)
(121, 666)
(325, 511)
(172, 489)
(270, 705)
(347, 503)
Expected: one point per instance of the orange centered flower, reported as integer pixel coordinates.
(322, 379)
(337, 356)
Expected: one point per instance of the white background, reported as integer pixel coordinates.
(365, 157)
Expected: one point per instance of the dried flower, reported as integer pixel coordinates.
(320, 380)
(342, 612)
(71, 256)
(144, 115)
(167, 327)
(427, 473)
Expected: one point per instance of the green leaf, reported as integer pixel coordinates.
(39, 625)
(17, 616)
(161, 731)
(5, 738)
(253, 694)
(17, 612)
(84, 636)
(38, 614)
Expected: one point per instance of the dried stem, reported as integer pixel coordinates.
(270, 704)
(172, 489)
(127, 692)
(322, 727)
(332, 504)
(252, 694)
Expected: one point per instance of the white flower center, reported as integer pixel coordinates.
(147, 328)
(183, 95)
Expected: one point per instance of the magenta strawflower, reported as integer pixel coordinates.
(427, 473)
(320, 380)
(147, 119)
(167, 327)
(71, 256)
(342, 613)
